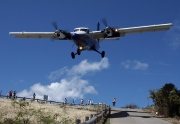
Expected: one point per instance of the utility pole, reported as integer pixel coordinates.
(0, 92)
(148, 101)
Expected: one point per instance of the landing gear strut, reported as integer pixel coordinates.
(79, 53)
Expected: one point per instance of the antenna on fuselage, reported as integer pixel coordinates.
(98, 26)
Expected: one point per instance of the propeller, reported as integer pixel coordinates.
(109, 31)
(104, 22)
(55, 25)
(56, 28)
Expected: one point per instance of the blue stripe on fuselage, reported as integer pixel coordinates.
(85, 41)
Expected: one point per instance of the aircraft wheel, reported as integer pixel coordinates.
(103, 54)
(78, 51)
(73, 55)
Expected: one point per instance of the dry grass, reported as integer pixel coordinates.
(34, 112)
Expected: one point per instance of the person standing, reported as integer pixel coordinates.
(65, 101)
(114, 102)
(82, 101)
(34, 96)
(73, 102)
(10, 94)
(14, 94)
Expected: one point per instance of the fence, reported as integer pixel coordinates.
(25, 98)
(93, 119)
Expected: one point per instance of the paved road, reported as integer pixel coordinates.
(133, 116)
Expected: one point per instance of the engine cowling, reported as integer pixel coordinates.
(57, 32)
(108, 31)
(111, 32)
(61, 34)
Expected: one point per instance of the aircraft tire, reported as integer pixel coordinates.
(73, 55)
(103, 54)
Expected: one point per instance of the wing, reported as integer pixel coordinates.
(130, 30)
(53, 35)
(148, 28)
(33, 34)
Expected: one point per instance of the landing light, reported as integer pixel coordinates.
(80, 48)
(116, 30)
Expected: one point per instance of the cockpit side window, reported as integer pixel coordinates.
(85, 30)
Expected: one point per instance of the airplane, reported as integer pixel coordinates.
(85, 39)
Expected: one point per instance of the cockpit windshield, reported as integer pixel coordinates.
(75, 30)
(81, 29)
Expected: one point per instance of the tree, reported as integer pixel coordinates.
(166, 100)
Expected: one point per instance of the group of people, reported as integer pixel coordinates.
(90, 102)
(12, 94)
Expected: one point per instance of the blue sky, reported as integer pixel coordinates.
(133, 65)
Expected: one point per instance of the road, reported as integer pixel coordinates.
(133, 116)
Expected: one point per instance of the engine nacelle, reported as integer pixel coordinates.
(63, 34)
(111, 32)
(57, 32)
(108, 31)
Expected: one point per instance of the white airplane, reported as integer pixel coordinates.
(89, 40)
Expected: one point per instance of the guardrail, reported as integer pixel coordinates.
(93, 119)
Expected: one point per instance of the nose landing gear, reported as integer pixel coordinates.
(74, 54)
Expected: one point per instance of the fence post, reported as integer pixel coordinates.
(91, 115)
(86, 118)
(78, 121)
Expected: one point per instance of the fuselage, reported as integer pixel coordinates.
(83, 40)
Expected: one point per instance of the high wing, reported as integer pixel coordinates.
(109, 32)
(62, 35)
(33, 34)
(140, 29)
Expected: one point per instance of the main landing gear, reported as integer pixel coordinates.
(74, 54)
(79, 53)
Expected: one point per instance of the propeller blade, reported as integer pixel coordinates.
(55, 25)
(104, 22)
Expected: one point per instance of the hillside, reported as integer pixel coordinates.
(12, 111)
